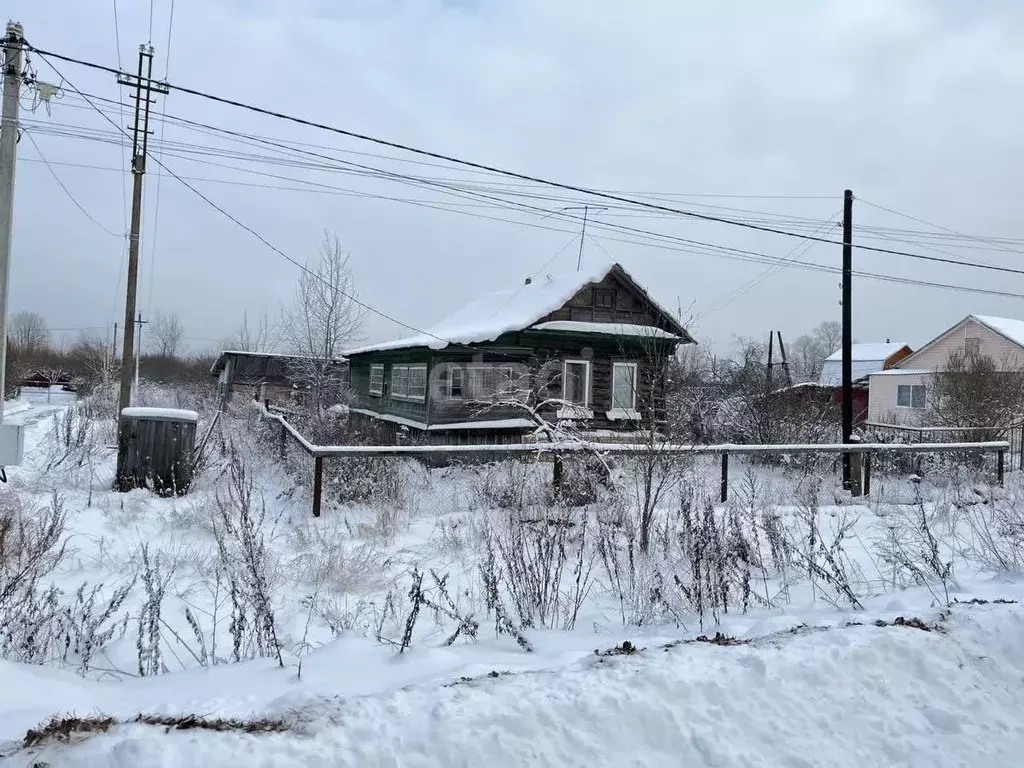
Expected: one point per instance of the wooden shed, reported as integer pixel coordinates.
(155, 450)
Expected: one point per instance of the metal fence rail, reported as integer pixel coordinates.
(863, 450)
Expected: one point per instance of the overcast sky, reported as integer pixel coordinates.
(916, 106)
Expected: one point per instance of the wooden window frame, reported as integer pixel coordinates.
(379, 390)
(585, 405)
(610, 293)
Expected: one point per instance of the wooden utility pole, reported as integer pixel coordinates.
(785, 362)
(144, 88)
(138, 350)
(13, 43)
(771, 345)
(847, 332)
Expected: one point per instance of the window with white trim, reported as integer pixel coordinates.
(480, 382)
(418, 383)
(910, 395)
(377, 380)
(456, 377)
(624, 377)
(409, 382)
(576, 382)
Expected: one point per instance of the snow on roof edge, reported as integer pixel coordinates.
(160, 414)
(514, 313)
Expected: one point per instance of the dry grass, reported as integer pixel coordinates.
(63, 729)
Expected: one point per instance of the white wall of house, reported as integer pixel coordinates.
(998, 347)
(883, 390)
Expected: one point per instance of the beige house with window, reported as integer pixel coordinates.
(899, 395)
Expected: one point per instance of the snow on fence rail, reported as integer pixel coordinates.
(865, 450)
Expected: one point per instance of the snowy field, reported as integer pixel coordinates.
(458, 616)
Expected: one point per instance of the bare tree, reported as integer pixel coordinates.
(94, 362)
(28, 332)
(259, 337)
(323, 320)
(974, 391)
(808, 352)
(167, 335)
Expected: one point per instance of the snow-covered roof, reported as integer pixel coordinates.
(223, 356)
(160, 414)
(868, 352)
(607, 329)
(865, 360)
(1005, 326)
(832, 371)
(500, 312)
(903, 372)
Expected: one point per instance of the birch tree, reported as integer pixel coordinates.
(324, 319)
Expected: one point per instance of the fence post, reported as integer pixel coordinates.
(725, 477)
(1000, 461)
(856, 475)
(867, 474)
(318, 481)
(282, 445)
(556, 475)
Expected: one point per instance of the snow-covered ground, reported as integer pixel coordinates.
(802, 678)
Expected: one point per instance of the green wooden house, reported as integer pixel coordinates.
(590, 349)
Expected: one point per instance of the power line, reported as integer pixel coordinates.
(937, 226)
(274, 248)
(740, 255)
(536, 179)
(67, 191)
(717, 250)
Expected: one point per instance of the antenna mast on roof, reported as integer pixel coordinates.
(583, 231)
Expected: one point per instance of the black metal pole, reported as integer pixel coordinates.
(866, 489)
(1000, 466)
(724, 495)
(847, 330)
(318, 482)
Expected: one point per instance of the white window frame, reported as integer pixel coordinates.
(585, 405)
(406, 372)
(399, 381)
(419, 396)
(460, 372)
(910, 396)
(378, 391)
(636, 374)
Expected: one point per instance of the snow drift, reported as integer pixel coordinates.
(840, 696)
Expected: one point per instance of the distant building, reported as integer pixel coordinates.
(899, 394)
(264, 376)
(865, 360)
(583, 348)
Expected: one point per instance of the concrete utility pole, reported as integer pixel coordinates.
(847, 333)
(144, 89)
(12, 45)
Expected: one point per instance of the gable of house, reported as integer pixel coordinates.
(608, 295)
(1001, 339)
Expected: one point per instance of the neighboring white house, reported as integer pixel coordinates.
(866, 359)
(899, 395)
